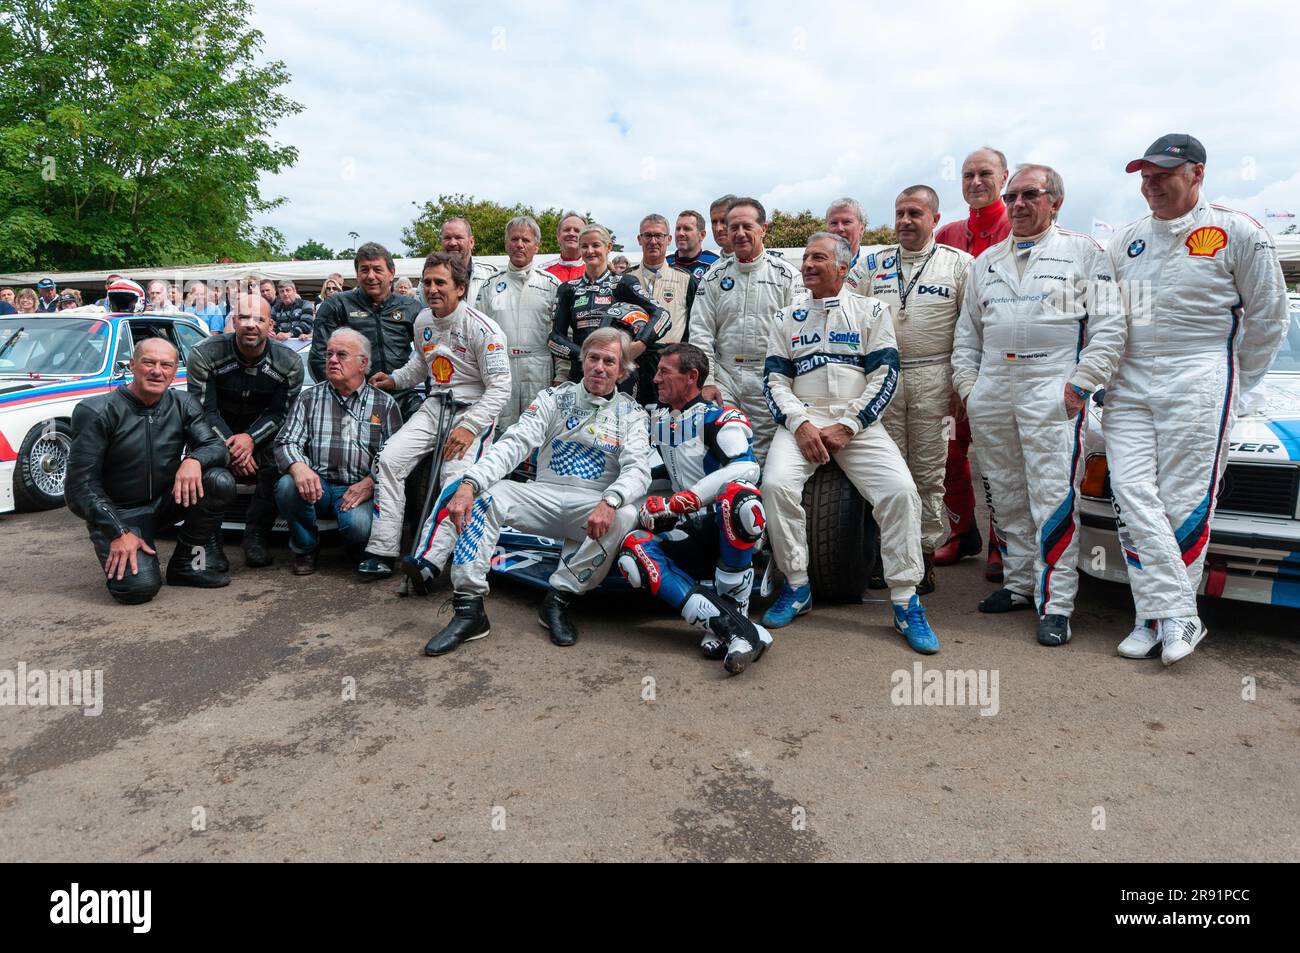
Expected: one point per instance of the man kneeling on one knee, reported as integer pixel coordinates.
(592, 463)
(711, 520)
(832, 367)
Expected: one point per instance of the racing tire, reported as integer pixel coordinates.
(841, 536)
(42, 466)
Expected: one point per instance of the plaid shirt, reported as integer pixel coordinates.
(340, 438)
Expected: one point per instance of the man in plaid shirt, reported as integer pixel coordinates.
(328, 447)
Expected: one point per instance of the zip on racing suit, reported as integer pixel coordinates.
(1022, 336)
(521, 301)
(387, 326)
(464, 353)
(1207, 313)
(735, 311)
(923, 290)
(588, 448)
(239, 396)
(834, 361)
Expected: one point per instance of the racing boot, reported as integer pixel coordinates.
(958, 548)
(554, 616)
(216, 552)
(745, 641)
(1143, 642)
(1004, 600)
(926, 585)
(735, 586)
(1054, 629)
(468, 623)
(1179, 637)
(257, 547)
(911, 623)
(789, 604)
(373, 568)
(993, 567)
(191, 565)
(422, 574)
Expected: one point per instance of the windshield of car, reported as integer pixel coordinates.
(35, 346)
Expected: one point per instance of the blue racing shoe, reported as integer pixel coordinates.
(790, 603)
(914, 626)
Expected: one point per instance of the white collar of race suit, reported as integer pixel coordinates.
(1173, 226)
(825, 304)
(588, 397)
(743, 266)
(1024, 244)
(917, 255)
(449, 319)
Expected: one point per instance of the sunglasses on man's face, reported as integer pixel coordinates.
(1027, 194)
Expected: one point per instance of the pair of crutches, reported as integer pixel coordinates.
(448, 407)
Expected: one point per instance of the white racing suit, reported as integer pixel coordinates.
(834, 361)
(480, 272)
(521, 300)
(924, 291)
(587, 447)
(465, 353)
(1207, 312)
(1019, 341)
(735, 309)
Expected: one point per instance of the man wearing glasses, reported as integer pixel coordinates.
(671, 289)
(328, 449)
(1040, 329)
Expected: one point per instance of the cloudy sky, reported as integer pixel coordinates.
(623, 109)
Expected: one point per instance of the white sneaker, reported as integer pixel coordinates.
(1143, 641)
(1180, 637)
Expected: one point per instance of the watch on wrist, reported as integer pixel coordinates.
(472, 484)
(613, 499)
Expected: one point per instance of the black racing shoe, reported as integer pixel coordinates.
(422, 573)
(373, 568)
(257, 547)
(468, 623)
(1004, 600)
(1053, 630)
(927, 583)
(186, 568)
(554, 615)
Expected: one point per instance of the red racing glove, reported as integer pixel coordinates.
(660, 513)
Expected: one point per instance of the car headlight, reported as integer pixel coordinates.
(1096, 477)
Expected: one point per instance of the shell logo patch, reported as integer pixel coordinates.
(492, 346)
(1206, 242)
(441, 369)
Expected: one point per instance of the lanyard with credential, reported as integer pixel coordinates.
(903, 293)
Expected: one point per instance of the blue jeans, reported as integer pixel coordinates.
(354, 524)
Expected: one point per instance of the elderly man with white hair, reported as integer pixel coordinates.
(328, 449)
(845, 218)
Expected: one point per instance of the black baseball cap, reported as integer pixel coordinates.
(1170, 151)
(45, 284)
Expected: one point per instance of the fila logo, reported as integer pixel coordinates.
(802, 340)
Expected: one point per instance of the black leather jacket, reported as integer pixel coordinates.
(125, 454)
(296, 318)
(389, 328)
(243, 397)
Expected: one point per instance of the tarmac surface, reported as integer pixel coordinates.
(296, 719)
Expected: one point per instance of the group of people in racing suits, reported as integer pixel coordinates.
(888, 363)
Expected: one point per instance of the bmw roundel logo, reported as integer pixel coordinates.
(501, 286)
(727, 284)
(800, 315)
(889, 262)
(1137, 248)
(428, 334)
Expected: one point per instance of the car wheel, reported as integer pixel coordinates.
(42, 466)
(841, 536)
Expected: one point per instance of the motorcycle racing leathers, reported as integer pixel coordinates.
(521, 301)
(463, 354)
(589, 448)
(736, 307)
(1040, 312)
(1207, 312)
(581, 306)
(923, 290)
(834, 361)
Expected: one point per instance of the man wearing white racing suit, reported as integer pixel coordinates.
(1208, 310)
(710, 521)
(458, 349)
(1041, 328)
(832, 368)
(593, 463)
(923, 284)
(733, 316)
(520, 298)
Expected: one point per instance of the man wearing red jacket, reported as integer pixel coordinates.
(983, 177)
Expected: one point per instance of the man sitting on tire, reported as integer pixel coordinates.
(126, 478)
(709, 455)
(593, 460)
(831, 369)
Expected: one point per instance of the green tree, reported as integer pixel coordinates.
(134, 132)
(345, 254)
(882, 235)
(311, 250)
(792, 231)
(486, 218)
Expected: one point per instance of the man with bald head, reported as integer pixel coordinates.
(923, 283)
(246, 383)
(458, 239)
(984, 175)
(126, 477)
